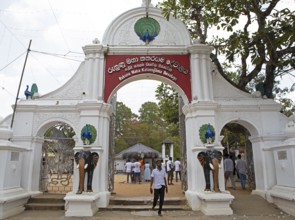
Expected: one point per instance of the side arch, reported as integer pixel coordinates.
(253, 130)
(47, 124)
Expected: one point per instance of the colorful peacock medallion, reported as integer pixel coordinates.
(88, 134)
(147, 29)
(207, 134)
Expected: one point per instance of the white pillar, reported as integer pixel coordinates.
(171, 152)
(163, 152)
(94, 71)
(200, 72)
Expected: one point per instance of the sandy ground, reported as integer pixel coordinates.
(245, 207)
(124, 189)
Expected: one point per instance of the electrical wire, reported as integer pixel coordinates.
(12, 61)
(57, 55)
(56, 20)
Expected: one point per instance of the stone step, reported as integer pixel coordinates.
(46, 202)
(145, 207)
(45, 206)
(145, 201)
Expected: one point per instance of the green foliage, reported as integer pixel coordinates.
(234, 135)
(168, 103)
(258, 37)
(150, 114)
(155, 123)
(288, 107)
(123, 115)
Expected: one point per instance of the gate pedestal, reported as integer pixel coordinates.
(216, 203)
(84, 204)
(210, 203)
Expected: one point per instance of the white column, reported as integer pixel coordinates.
(94, 71)
(163, 152)
(94, 77)
(205, 80)
(196, 84)
(88, 72)
(100, 78)
(171, 152)
(200, 70)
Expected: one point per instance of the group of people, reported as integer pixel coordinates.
(137, 171)
(240, 166)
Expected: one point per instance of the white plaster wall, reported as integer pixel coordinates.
(121, 30)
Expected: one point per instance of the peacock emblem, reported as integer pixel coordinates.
(88, 134)
(207, 133)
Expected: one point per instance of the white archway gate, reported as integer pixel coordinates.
(122, 57)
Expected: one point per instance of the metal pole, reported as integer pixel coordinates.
(19, 85)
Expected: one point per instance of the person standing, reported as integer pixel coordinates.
(158, 178)
(241, 167)
(137, 171)
(177, 166)
(141, 170)
(170, 169)
(228, 165)
(147, 172)
(129, 170)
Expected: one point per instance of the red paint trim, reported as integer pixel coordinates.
(173, 67)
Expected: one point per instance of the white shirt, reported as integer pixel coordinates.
(159, 178)
(137, 167)
(169, 165)
(163, 166)
(128, 167)
(177, 165)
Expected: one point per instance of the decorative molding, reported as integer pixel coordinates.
(42, 118)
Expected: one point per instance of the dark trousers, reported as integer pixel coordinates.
(159, 193)
(177, 173)
(170, 176)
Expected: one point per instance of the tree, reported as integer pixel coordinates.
(148, 128)
(123, 116)
(149, 113)
(257, 43)
(168, 102)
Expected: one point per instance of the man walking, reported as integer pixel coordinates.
(177, 170)
(228, 165)
(241, 167)
(170, 169)
(158, 178)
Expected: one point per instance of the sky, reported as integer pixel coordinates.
(58, 30)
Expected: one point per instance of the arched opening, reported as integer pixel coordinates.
(142, 130)
(57, 165)
(236, 142)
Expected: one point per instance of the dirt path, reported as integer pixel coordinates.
(124, 189)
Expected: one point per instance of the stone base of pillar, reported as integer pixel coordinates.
(210, 203)
(80, 205)
(284, 198)
(12, 202)
(216, 203)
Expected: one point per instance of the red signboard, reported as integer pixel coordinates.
(121, 67)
